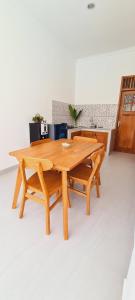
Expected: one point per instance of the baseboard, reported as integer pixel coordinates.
(7, 170)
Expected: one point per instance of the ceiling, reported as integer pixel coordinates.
(110, 26)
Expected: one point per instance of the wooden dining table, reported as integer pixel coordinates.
(63, 159)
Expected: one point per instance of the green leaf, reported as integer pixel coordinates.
(78, 114)
(38, 118)
(73, 113)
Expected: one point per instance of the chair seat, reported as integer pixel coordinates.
(52, 180)
(81, 173)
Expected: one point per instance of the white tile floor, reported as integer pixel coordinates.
(92, 264)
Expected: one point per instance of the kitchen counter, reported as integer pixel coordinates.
(110, 132)
(90, 129)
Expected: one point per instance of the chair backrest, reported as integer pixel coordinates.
(95, 158)
(38, 166)
(34, 163)
(97, 162)
(85, 139)
(40, 142)
(101, 152)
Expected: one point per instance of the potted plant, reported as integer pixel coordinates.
(38, 118)
(74, 114)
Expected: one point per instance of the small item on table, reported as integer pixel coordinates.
(66, 145)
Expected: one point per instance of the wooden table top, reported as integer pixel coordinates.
(62, 159)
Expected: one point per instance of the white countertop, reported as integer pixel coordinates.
(90, 129)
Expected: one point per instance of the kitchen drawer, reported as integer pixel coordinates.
(102, 137)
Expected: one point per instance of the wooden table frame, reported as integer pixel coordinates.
(64, 160)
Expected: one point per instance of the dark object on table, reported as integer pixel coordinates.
(36, 133)
(57, 131)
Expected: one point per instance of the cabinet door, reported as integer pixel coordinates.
(86, 133)
(75, 133)
(102, 137)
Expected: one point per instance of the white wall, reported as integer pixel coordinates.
(98, 77)
(34, 70)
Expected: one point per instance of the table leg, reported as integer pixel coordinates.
(65, 204)
(17, 188)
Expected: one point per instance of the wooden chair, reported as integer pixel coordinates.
(102, 156)
(85, 139)
(44, 181)
(87, 177)
(40, 142)
(88, 161)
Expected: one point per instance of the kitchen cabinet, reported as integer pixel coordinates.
(74, 133)
(105, 136)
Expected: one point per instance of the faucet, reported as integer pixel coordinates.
(92, 124)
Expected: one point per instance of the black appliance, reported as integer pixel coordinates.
(38, 131)
(57, 131)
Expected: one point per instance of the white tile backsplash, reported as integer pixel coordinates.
(102, 114)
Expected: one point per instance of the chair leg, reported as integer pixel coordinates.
(69, 203)
(57, 195)
(97, 188)
(88, 203)
(17, 188)
(71, 183)
(47, 217)
(99, 179)
(84, 187)
(22, 205)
